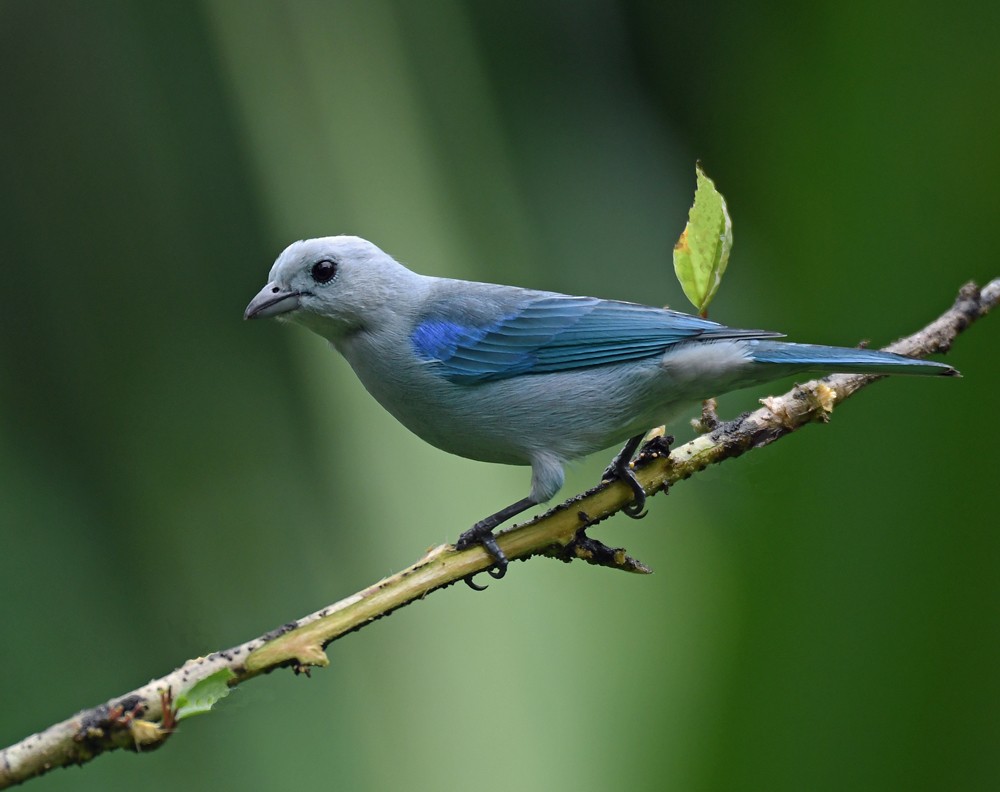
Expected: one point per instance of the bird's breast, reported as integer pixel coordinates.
(567, 414)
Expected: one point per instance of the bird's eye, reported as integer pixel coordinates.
(323, 271)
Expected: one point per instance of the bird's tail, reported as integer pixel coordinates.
(812, 357)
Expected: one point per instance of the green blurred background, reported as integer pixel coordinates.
(825, 613)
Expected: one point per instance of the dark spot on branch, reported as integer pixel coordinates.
(277, 631)
(657, 447)
(595, 552)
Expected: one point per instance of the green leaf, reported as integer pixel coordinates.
(201, 697)
(702, 252)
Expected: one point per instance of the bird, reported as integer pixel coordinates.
(523, 377)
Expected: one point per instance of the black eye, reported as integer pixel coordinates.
(323, 271)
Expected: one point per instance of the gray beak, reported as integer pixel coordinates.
(271, 301)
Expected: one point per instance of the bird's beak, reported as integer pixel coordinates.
(272, 301)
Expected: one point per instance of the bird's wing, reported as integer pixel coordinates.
(549, 332)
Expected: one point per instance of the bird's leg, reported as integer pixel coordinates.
(620, 469)
(482, 533)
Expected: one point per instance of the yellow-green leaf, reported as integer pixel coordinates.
(201, 697)
(702, 252)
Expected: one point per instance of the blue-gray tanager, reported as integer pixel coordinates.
(504, 374)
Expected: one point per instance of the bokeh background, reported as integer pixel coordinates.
(825, 613)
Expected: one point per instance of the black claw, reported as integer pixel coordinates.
(474, 586)
(496, 571)
(635, 511)
(489, 543)
(637, 508)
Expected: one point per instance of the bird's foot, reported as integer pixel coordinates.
(637, 508)
(620, 469)
(482, 534)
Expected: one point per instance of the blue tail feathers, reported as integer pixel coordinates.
(812, 357)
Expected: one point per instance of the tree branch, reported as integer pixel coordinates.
(145, 718)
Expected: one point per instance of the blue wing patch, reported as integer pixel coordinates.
(556, 333)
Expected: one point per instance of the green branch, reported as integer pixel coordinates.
(145, 718)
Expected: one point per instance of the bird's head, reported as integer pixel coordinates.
(332, 285)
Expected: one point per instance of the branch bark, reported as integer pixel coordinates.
(144, 718)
